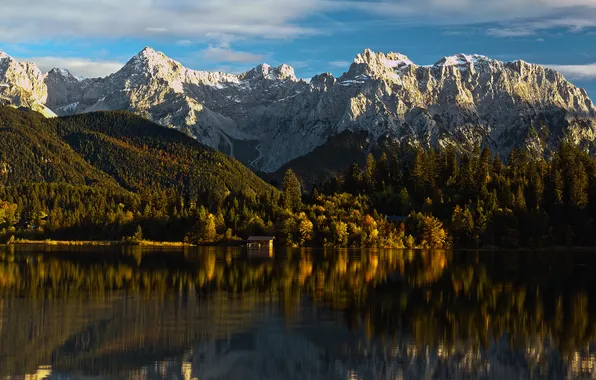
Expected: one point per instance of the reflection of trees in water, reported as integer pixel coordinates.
(480, 296)
(70, 302)
(430, 298)
(330, 275)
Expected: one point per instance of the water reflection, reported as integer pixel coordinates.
(219, 313)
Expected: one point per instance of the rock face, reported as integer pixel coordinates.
(267, 117)
(22, 85)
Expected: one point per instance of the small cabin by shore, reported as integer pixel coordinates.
(258, 242)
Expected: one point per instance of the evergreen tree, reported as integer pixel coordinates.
(382, 173)
(482, 171)
(497, 166)
(520, 198)
(450, 167)
(579, 186)
(467, 176)
(370, 171)
(291, 191)
(462, 226)
(395, 174)
(418, 174)
(353, 179)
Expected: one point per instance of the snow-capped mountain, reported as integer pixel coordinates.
(267, 117)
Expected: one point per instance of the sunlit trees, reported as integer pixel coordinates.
(305, 230)
(496, 202)
(433, 233)
(427, 230)
(204, 231)
(117, 179)
(339, 234)
(8, 214)
(370, 232)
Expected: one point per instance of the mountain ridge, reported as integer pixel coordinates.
(272, 117)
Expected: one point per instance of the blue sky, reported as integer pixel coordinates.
(95, 38)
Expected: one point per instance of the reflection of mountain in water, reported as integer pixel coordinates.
(282, 355)
(258, 344)
(306, 314)
(116, 334)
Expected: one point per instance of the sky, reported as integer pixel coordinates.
(96, 37)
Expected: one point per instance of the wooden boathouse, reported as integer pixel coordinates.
(259, 242)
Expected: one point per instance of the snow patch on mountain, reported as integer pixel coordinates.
(461, 59)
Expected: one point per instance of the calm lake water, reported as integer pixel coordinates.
(220, 313)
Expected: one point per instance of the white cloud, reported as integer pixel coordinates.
(77, 66)
(156, 30)
(226, 54)
(300, 64)
(515, 17)
(340, 64)
(479, 11)
(453, 32)
(31, 20)
(229, 20)
(511, 32)
(576, 71)
(184, 42)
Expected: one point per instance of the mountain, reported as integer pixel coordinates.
(22, 85)
(266, 117)
(116, 150)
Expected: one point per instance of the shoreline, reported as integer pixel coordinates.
(101, 243)
(166, 244)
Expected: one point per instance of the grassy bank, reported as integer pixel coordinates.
(142, 243)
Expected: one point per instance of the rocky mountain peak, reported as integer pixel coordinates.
(9, 63)
(390, 60)
(63, 73)
(150, 54)
(462, 59)
(377, 65)
(23, 80)
(285, 72)
(264, 71)
(322, 82)
(153, 62)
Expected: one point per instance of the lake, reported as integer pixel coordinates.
(224, 313)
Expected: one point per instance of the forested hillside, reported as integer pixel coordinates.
(98, 175)
(485, 200)
(331, 158)
(140, 154)
(31, 151)
(113, 175)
